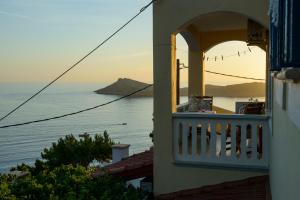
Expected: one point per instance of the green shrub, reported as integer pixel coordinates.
(63, 174)
(69, 150)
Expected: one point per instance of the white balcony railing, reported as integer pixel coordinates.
(221, 140)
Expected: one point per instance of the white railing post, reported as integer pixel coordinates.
(254, 132)
(176, 129)
(185, 133)
(194, 138)
(203, 140)
(213, 140)
(265, 138)
(212, 150)
(243, 142)
(223, 141)
(233, 140)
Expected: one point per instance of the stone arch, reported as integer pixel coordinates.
(191, 41)
(208, 30)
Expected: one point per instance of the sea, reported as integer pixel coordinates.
(128, 121)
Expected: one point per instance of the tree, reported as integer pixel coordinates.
(69, 150)
(5, 191)
(63, 174)
(69, 182)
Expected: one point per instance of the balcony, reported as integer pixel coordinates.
(237, 140)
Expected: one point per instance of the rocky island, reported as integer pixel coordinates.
(125, 86)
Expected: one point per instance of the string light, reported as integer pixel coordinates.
(207, 58)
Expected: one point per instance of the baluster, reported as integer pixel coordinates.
(194, 138)
(187, 141)
(262, 153)
(233, 141)
(254, 141)
(223, 141)
(185, 132)
(176, 138)
(203, 139)
(243, 142)
(265, 141)
(213, 139)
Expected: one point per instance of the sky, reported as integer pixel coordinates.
(42, 38)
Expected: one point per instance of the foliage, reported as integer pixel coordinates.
(63, 174)
(69, 150)
(23, 167)
(67, 182)
(5, 191)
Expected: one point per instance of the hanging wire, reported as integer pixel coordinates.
(118, 99)
(77, 112)
(235, 76)
(229, 75)
(80, 60)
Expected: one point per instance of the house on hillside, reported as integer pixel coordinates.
(237, 156)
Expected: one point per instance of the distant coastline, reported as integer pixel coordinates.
(124, 86)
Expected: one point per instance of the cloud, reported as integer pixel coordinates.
(15, 15)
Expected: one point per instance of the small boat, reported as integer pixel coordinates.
(84, 135)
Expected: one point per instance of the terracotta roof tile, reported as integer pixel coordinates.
(141, 165)
(135, 166)
(254, 188)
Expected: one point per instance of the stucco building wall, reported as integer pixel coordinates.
(285, 141)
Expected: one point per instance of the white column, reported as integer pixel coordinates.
(164, 104)
(268, 95)
(196, 74)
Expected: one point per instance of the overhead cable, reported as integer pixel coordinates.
(79, 61)
(77, 112)
(229, 75)
(115, 100)
(235, 76)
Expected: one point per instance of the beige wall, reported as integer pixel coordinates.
(169, 17)
(285, 142)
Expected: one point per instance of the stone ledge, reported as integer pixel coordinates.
(288, 74)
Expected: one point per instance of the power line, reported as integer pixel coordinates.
(109, 102)
(80, 60)
(235, 76)
(80, 111)
(229, 75)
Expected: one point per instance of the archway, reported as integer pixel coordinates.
(211, 33)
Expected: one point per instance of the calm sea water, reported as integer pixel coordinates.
(24, 144)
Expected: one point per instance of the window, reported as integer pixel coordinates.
(284, 34)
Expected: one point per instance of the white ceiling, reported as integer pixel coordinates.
(220, 21)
